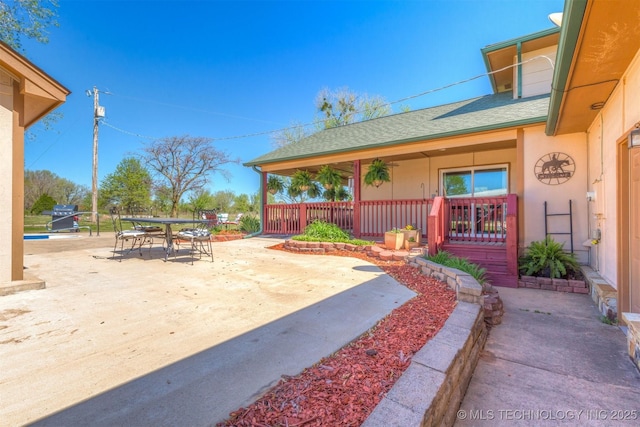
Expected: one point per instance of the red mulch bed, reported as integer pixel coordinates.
(344, 388)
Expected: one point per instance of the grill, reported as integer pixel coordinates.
(64, 217)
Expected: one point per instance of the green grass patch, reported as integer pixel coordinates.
(38, 224)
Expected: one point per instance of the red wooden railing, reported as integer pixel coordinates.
(436, 232)
(338, 213)
(293, 218)
(378, 216)
(282, 219)
(476, 219)
(512, 236)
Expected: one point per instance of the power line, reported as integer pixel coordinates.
(106, 123)
(200, 110)
(304, 125)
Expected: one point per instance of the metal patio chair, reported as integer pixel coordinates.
(152, 231)
(199, 235)
(136, 237)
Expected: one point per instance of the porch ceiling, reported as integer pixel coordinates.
(607, 37)
(346, 167)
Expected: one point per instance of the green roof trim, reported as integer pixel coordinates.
(571, 22)
(523, 39)
(486, 113)
(508, 43)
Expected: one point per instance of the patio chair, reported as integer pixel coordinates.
(235, 221)
(134, 212)
(222, 218)
(208, 216)
(199, 236)
(137, 237)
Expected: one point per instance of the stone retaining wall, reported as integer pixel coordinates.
(430, 391)
(632, 321)
(602, 293)
(560, 285)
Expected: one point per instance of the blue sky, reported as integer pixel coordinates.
(225, 69)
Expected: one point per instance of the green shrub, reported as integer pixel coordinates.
(462, 264)
(249, 224)
(547, 258)
(321, 231)
(44, 203)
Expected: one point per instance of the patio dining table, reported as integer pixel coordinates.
(167, 222)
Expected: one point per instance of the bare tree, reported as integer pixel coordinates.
(183, 164)
(342, 106)
(63, 191)
(294, 133)
(37, 183)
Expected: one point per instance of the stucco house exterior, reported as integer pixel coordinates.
(26, 95)
(546, 153)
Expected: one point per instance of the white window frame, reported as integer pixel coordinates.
(472, 169)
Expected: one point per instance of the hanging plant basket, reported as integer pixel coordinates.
(377, 173)
(274, 184)
(329, 177)
(301, 180)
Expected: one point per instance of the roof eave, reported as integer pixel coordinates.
(572, 18)
(508, 43)
(451, 134)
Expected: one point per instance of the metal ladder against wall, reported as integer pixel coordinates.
(546, 223)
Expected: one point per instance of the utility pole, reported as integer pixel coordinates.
(98, 112)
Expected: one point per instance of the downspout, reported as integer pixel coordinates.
(519, 69)
(260, 191)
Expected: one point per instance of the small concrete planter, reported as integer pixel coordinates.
(408, 245)
(393, 241)
(412, 233)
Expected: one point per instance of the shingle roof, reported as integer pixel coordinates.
(491, 112)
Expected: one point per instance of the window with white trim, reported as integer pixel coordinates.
(477, 181)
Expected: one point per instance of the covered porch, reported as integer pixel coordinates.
(482, 229)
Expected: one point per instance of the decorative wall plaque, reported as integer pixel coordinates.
(554, 168)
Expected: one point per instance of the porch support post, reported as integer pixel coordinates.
(512, 236)
(435, 226)
(303, 217)
(356, 199)
(263, 196)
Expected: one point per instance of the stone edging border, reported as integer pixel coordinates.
(430, 391)
(559, 285)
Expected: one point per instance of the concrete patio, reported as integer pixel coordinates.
(143, 342)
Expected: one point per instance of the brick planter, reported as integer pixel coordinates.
(558, 285)
(226, 237)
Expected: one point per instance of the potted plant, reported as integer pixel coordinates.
(547, 258)
(394, 239)
(274, 184)
(301, 180)
(328, 177)
(411, 232)
(377, 173)
(410, 243)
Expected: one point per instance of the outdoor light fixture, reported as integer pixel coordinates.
(634, 136)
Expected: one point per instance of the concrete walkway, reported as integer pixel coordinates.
(144, 342)
(552, 362)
